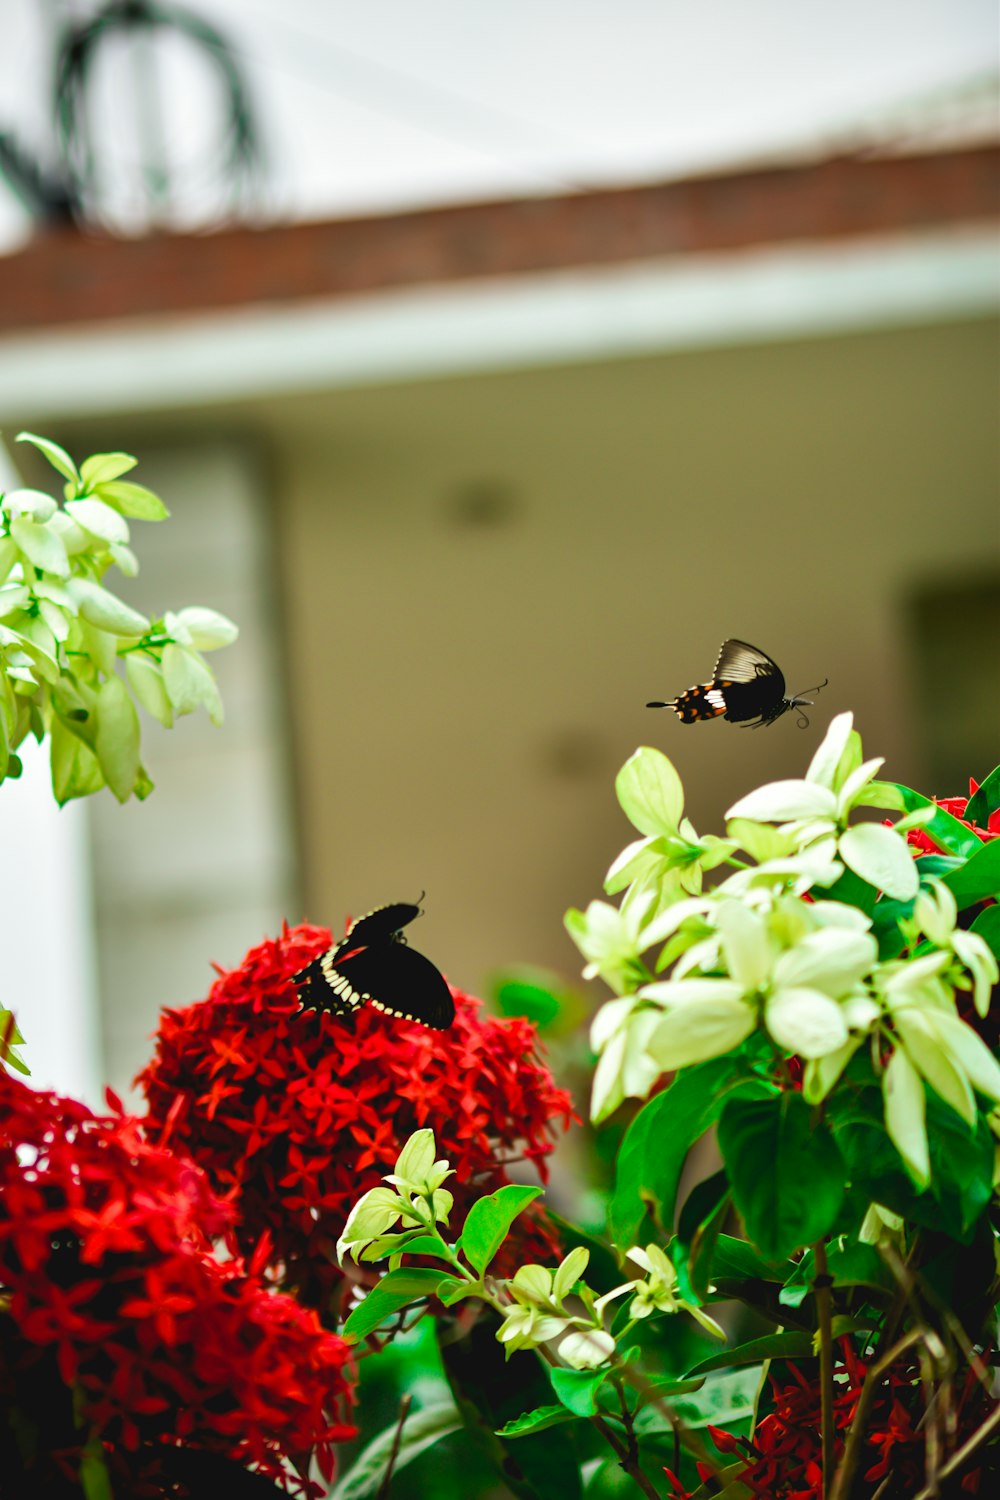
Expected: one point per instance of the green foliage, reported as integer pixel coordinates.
(396, 1290)
(10, 1040)
(786, 1171)
(421, 1430)
(979, 878)
(656, 1144)
(985, 801)
(488, 1221)
(75, 659)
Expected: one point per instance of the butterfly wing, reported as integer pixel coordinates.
(379, 926)
(741, 662)
(395, 979)
(702, 702)
(750, 684)
(390, 976)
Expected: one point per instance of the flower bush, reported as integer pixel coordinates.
(138, 1335)
(293, 1113)
(813, 1008)
(796, 1087)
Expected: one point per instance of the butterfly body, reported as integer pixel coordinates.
(373, 965)
(747, 688)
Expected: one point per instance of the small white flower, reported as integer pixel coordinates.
(526, 1328)
(817, 811)
(587, 1349)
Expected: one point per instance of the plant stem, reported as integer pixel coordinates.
(856, 1435)
(961, 1456)
(629, 1464)
(404, 1408)
(824, 1313)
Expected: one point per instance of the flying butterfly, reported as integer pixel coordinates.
(747, 687)
(373, 965)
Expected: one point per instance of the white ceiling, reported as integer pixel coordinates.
(393, 104)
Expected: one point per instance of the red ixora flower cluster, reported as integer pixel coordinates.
(784, 1460)
(112, 1297)
(920, 840)
(297, 1113)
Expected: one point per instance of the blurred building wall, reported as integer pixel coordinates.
(487, 578)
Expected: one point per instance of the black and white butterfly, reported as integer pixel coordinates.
(373, 965)
(747, 687)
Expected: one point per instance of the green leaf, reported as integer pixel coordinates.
(100, 520)
(650, 792)
(205, 629)
(133, 500)
(100, 645)
(453, 1289)
(488, 1221)
(656, 1143)
(851, 890)
(603, 1270)
(491, 1391)
(702, 1251)
(117, 737)
(881, 857)
(850, 1264)
(8, 555)
(10, 1037)
(978, 878)
(421, 1430)
(987, 926)
(105, 610)
(190, 683)
(95, 1482)
(986, 801)
(722, 1401)
(100, 468)
(769, 1346)
(961, 1159)
(577, 1389)
(736, 1259)
(519, 994)
(397, 1289)
(946, 831)
(146, 681)
(536, 1421)
(886, 918)
(41, 544)
(57, 457)
(75, 768)
(425, 1243)
(786, 1171)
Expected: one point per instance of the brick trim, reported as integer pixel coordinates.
(64, 277)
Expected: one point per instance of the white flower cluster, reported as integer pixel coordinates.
(754, 956)
(540, 1310)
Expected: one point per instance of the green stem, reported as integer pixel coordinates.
(824, 1313)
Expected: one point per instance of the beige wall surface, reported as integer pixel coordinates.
(486, 578)
(482, 581)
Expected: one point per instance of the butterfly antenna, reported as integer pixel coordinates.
(817, 689)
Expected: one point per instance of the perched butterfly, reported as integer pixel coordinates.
(747, 686)
(374, 966)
